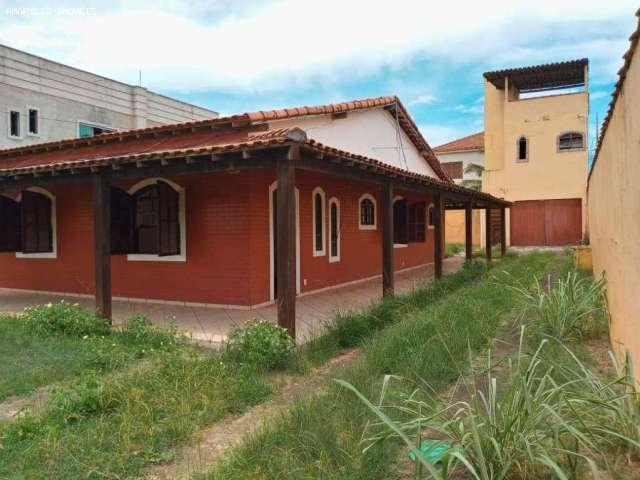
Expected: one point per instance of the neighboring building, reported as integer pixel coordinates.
(536, 155)
(614, 206)
(234, 211)
(45, 100)
(463, 161)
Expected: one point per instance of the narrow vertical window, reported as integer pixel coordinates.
(417, 223)
(34, 127)
(523, 149)
(334, 230)
(367, 219)
(318, 198)
(400, 225)
(14, 123)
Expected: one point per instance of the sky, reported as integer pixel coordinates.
(234, 56)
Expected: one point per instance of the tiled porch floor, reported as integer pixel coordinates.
(204, 324)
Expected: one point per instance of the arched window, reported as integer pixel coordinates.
(570, 141)
(367, 218)
(334, 230)
(400, 225)
(523, 149)
(431, 219)
(38, 224)
(158, 224)
(318, 202)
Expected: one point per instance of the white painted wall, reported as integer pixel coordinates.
(65, 95)
(370, 132)
(476, 157)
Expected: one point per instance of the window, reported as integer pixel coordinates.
(90, 130)
(453, 169)
(417, 223)
(318, 198)
(9, 225)
(367, 220)
(523, 149)
(150, 224)
(14, 124)
(34, 127)
(38, 223)
(400, 227)
(334, 230)
(570, 141)
(431, 216)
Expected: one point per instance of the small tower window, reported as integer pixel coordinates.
(523, 149)
(570, 141)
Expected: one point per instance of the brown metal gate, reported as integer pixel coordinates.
(546, 222)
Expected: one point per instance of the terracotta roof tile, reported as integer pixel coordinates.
(278, 137)
(464, 144)
(622, 73)
(391, 103)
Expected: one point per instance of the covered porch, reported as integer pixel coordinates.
(226, 145)
(210, 325)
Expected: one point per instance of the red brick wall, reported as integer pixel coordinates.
(228, 254)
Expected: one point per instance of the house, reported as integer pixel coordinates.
(238, 211)
(45, 101)
(536, 130)
(613, 193)
(463, 161)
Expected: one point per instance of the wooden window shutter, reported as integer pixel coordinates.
(10, 228)
(400, 222)
(123, 218)
(168, 221)
(417, 222)
(37, 231)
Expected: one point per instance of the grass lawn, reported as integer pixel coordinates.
(113, 426)
(321, 437)
(28, 361)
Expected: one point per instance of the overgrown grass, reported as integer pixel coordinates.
(31, 355)
(320, 437)
(453, 249)
(350, 329)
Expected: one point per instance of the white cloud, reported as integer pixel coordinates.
(424, 99)
(287, 43)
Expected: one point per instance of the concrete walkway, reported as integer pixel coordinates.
(204, 324)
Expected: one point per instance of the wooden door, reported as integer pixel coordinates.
(528, 223)
(563, 221)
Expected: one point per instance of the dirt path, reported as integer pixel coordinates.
(218, 439)
(11, 406)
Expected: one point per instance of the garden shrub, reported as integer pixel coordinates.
(64, 318)
(140, 329)
(260, 343)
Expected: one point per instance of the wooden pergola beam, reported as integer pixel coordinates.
(468, 231)
(503, 232)
(488, 234)
(388, 283)
(286, 240)
(438, 234)
(101, 193)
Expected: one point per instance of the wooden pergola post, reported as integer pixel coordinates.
(387, 240)
(488, 236)
(503, 231)
(286, 240)
(101, 187)
(438, 233)
(468, 231)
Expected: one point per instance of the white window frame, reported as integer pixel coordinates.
(110, 128)
(182, 218)
(323, 252)
(54, 227)
(429, 226)
(368, 196)
(37, 110)
(395, 199)
(336, 202)
(20, 130)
